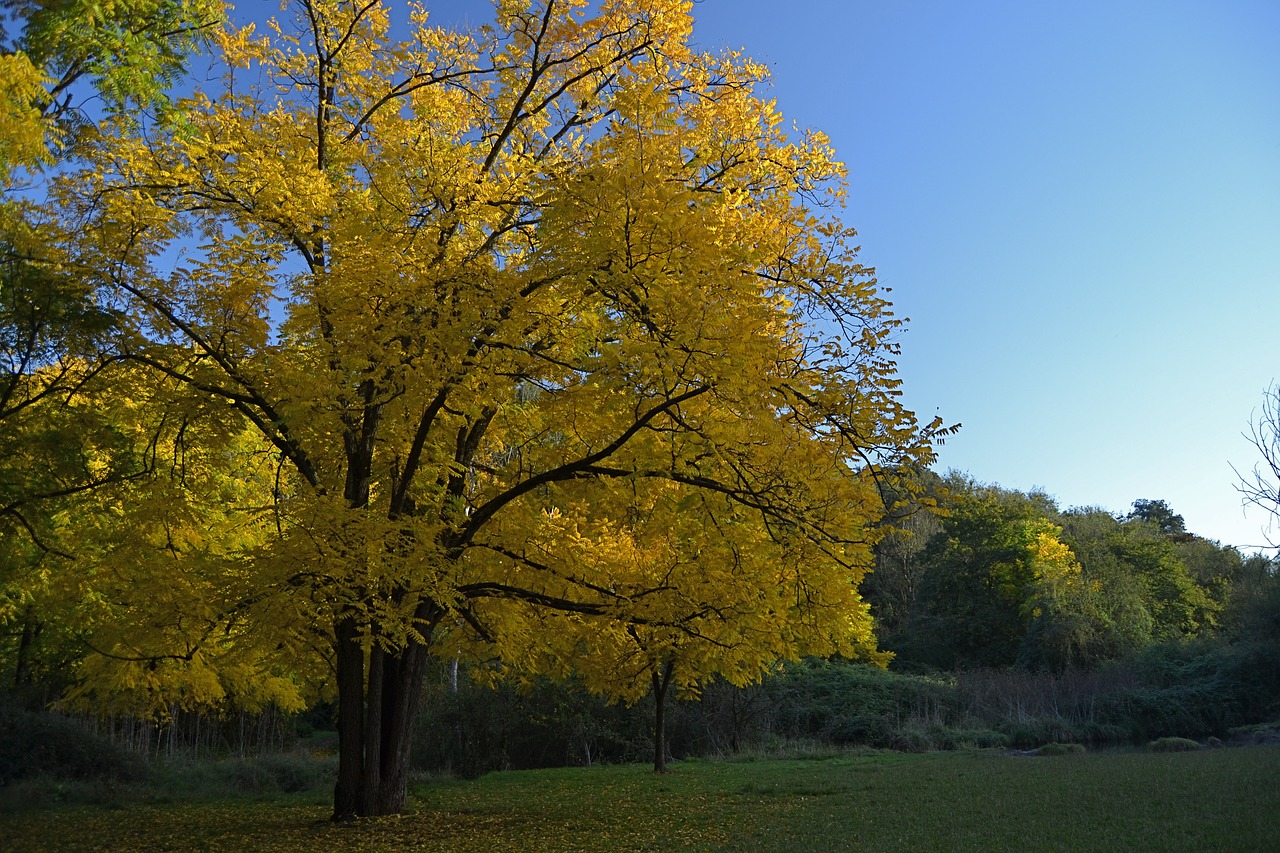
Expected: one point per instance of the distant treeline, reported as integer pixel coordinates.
(1001, 578)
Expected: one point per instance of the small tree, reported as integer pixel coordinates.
(698, 596)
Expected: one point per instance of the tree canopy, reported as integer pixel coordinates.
(63, 428)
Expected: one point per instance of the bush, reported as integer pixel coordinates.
(1173, 744)
(250, 777)
(43, 744)
(281, 773)
(850, 704)
(1037, 731)
(1197, 688)
(1060, 749)
(972, 738)
(295, 772)
(479, 729)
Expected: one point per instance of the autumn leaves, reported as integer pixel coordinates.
(543, 338)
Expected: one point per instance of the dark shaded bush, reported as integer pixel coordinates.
(478, 729)
(1173, 744)
(37, 743)
(1197, 690)
(1037, 731)
(250, 777)
(848, 704)
(294, 772)
(282, 773)
(1194, 689)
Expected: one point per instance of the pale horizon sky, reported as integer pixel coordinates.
(1078, 206)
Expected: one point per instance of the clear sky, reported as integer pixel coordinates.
(1078, 206)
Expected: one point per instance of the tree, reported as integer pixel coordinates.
(1142, 589)
(1158, 513)
(997, 570)
(1216, 568)
(1010, 580)
(900, 567)
(709, 593)
(56, 446)
(474, 287)
(1261, 486)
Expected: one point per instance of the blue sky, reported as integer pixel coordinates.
(1078, 206)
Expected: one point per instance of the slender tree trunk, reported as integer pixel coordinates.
(30, 631)
(661, 681)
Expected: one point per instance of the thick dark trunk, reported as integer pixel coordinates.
(371, 782)
(400, 709)
(350, 665)
(660, 684)
(375, 725)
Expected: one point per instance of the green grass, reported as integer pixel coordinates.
(1225, 799)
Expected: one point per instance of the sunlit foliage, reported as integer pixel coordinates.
(554, 316)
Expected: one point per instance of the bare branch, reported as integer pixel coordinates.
(1261, 486)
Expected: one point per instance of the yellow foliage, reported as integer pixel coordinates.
(574, 364)
(24, 130)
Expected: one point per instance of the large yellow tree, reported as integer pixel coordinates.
(483, 291)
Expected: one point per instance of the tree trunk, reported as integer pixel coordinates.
(350, 666)
(375, 724)
(30, 631)
(660, 684)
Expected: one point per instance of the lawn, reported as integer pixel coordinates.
(1226, 799)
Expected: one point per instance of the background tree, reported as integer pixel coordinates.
(1010, 580)
(575, 203)
(900, 566)
(1261, 486)
(57, 59)
(993, 569)
(1157, 512)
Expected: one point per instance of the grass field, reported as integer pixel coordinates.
(1226, 800)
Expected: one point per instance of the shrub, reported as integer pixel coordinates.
(479, 729)
(913, 739)
(1173, 744)
(42, 744)
(1060, 749)
(1036, 731)
(250, 777)
(973, 738)
(294, 772)
(851, 704)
